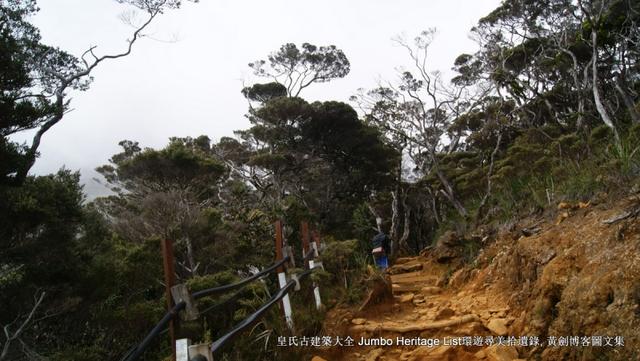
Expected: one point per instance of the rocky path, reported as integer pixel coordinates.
(466, 323)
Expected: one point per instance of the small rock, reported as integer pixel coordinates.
(528, 232)
(430, 290)
(407, 297)
(561, 217)
(358, 321)
(374, 355)
(498, 326)
(445, 313)
(317, 358)
(480, 355)
(501, 353)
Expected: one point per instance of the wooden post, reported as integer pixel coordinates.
(282, 279)
(181, 293)
(316, 238)
(169, 281)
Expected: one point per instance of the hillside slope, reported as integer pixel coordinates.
(571, 276)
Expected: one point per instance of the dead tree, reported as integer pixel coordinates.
(15, 335)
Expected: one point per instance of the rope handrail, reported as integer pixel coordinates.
(231, 286)
(249, 320)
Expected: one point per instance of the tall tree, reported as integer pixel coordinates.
(163, 194)
(298, 68)
(36, 79)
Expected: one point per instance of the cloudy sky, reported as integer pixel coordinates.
(187, 81)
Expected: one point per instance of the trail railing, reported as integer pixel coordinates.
(184, 301)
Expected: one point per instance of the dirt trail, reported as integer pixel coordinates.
(572, 273)
(423, 309)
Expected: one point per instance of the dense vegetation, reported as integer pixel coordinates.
(546, 110)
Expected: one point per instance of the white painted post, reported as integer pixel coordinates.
(182, 349)
(282, 279)
(286, 303)
(306, 243)
(316, 289)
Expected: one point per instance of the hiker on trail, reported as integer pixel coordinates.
(381, 250)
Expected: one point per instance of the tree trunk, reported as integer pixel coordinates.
(395, 219)
(579, 87)
(190, 258)
(433, 206)
(489, 174)
(449, 193)
(407, 224)
(596, 93)
(377, 216)
(628, 101)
